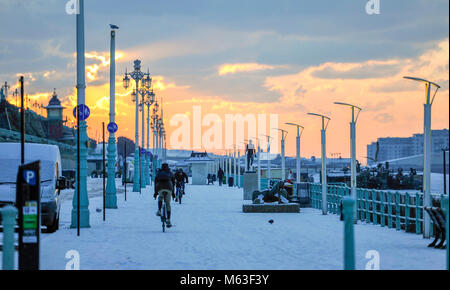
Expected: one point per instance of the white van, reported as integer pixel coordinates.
(51, 173)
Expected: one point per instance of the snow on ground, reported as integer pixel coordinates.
(437, 183)
(211, 232)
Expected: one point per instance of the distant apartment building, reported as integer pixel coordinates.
(396, 147)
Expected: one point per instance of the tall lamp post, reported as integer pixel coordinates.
(81, 193)
(245, 155)
(144, 92)
(324, 160)
(239, 167)
(149, 101)
(268, 160)
(154, 126)
(283, 157)
(427, 151)
(259, 162)
(299, 134)
(353, 184)
(234, 166)
(144, 78)
(111, 198)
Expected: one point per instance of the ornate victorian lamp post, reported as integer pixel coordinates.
(155, 128)
(149, 101)
(144, 78)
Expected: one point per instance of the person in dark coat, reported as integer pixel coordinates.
(181, 178)
(164, 183)
(220, 176)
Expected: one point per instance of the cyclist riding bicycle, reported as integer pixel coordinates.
(164, 182)
(181, 179)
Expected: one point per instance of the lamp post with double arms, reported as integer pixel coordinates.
(427, 151)
(353, 184)
(324, 160)
(154, 126)
(148, 102)
(144, 78)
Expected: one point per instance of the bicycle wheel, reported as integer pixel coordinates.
(163, 217)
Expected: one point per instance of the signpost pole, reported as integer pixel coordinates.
(104, 172)
(78, 170)
(140, 175)
(125, 169)
(22, 122)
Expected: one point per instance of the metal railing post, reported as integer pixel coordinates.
(446, 209)
(9, 215)
(349, 235)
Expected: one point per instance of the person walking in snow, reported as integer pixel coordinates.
(220, 176)
(164, 183)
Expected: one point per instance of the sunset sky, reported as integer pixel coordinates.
(285, 57)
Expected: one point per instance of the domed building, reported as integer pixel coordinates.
(55, 118)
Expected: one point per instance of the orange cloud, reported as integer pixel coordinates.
(103, 61)
(243, 67)
(391, 105)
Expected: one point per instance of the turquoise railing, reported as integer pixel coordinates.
(399, 210)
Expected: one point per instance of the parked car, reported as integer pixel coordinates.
(51, 178)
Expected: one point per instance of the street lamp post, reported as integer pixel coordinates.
(268, 160)
(111, 198)
(144, 92)
(299, 134)
(234, 166)
(225, 161)
(137, 75)
(245, 156)
(324, 160)
(427, 152)
(239, 167)
(259, 163)
(353, 155)
(149, 101)
(283, 158)
(81, 194)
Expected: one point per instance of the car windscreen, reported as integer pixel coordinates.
(10, 167)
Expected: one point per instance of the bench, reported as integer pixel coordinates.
(438, 217)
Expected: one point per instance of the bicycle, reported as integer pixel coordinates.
(179, 192)
(164, 213)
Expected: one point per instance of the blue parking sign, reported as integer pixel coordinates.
(30, 177)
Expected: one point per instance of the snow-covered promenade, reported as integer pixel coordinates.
(211, 232)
